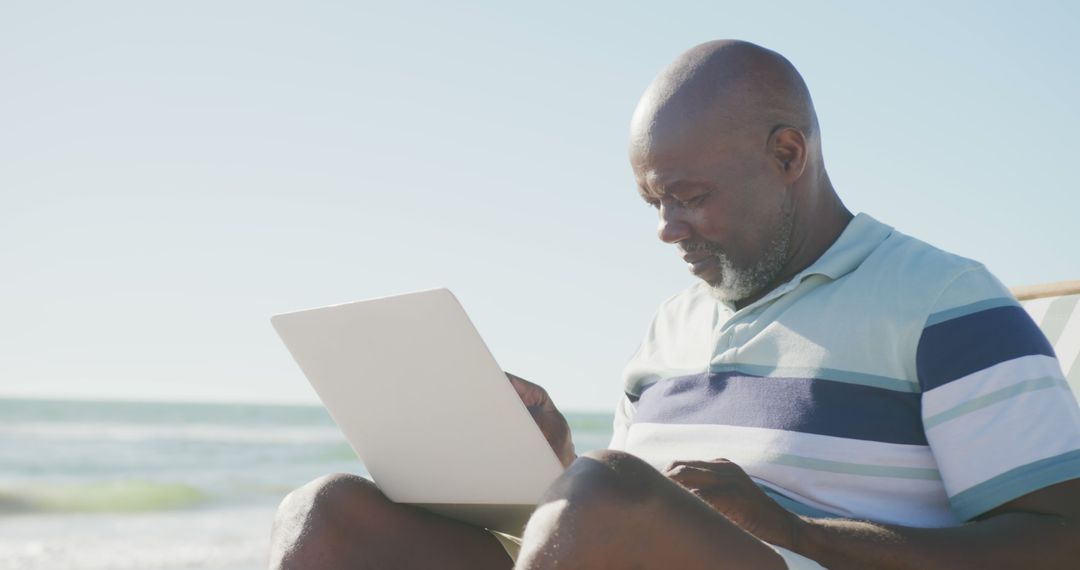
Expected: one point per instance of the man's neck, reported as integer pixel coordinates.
(814, 232)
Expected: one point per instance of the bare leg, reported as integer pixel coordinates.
(345, 522)
(613, 510)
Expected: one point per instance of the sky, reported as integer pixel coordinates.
(174, 173)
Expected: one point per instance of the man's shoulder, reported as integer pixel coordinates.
(914, 261)
(907, 268)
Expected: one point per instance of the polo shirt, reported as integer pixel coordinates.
(888, 381)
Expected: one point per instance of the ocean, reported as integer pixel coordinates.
(155, 486)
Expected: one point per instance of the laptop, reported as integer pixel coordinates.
(424, 405)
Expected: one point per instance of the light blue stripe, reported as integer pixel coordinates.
(796, 507)
(965, 310)
(1015, 483)
(860, 378)
(993, 398)
(855, 468)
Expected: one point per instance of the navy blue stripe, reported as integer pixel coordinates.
(806, 405)
(964, 345)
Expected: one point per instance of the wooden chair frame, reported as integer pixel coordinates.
(1057, 289)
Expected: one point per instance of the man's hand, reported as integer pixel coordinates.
(728, 489)
(547, 416)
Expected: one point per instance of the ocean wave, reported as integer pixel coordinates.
(233, 539)
(340, 452)
(100, 497)
(590, 422)
(128, 432)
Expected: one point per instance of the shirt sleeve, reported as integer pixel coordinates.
(624, 416)
(999, 417)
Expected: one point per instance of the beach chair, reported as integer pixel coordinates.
(1056, 309)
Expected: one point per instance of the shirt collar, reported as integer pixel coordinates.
(859, 239)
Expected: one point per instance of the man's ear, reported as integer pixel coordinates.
(788, 148)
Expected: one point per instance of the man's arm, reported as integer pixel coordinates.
(1038, 530)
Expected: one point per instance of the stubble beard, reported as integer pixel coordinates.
(739, 283)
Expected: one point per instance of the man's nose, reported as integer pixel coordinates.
(672, 228)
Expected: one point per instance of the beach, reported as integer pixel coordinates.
(155, 486)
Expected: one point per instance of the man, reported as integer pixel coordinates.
(878, 403)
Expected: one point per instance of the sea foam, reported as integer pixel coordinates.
(99, 497)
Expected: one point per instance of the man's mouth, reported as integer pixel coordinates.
(695, 255)
(700, 261)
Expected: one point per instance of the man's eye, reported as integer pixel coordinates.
(692, 202)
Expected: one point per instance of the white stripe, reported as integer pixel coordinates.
(1068, 345)
(988, 380)
(992, 440)
(709, 441)
(912, 502)
(1037, 308)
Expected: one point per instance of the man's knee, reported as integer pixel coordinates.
(608, 476)
(602, 500)
(316, 516)
(330, 496)
(603, 485)
(623, 465)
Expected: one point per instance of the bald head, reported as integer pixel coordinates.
(725, 145)
(734, 89)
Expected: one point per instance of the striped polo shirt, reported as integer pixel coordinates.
(888, 381)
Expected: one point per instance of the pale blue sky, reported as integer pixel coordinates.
(171, 174)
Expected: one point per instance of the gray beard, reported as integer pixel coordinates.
(740, 283)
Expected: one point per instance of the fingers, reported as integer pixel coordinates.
(527, 391)
(531, 394)
(702, 474)
(712, 464)
(692, 478)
